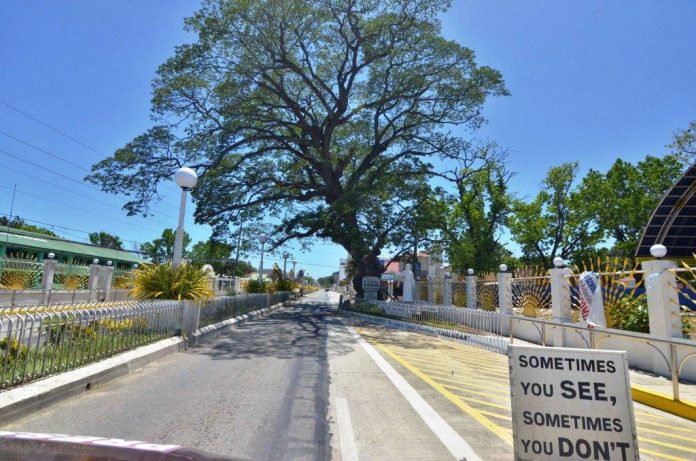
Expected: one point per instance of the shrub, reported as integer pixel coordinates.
(284, 285)
(13, 350)
(631, 314)
(254, 286)
(163, 281)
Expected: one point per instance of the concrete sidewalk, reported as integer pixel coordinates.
(475, 382)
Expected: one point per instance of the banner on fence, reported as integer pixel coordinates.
(571, 404)
(370, 286)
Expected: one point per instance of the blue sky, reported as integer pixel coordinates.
(590, 81)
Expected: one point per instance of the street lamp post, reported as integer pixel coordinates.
(185, 178)
(263, 238)
(286, 255)
(294, 262)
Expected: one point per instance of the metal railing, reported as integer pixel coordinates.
(227, 307)
(43, 341)
(11, 299)
(478, 327)
(674, 353)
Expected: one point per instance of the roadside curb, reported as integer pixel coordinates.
(663, 402)
(21, 401)
(686, 410)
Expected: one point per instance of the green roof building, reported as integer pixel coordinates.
(16, 243)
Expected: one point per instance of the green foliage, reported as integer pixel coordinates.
(631, 314)
(683, 145)
(104, 239)
(254, 286)
(328, 281)
(622, 200)
(476, 217)
(161, 249)
(19, 223)
(329, 116)
(163, 281)
(550, 225)
(215, 253)
(12, 349)
(284, 285)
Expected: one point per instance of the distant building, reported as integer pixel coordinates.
(17, 243)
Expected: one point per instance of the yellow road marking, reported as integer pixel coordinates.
(485, 394)
(495, 415)
(675, 428)
(504, 434)
(661, 455)
(667, 434)
(500, 382)
(483, 402)
(668, 445)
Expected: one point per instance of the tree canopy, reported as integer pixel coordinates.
(549, 225)
(319, 114)
(162, 249)
(18, 223)
(104, 239)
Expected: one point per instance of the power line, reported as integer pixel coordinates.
(58, 157)
(43, 181)
(73, 139)
(63, 228)
(50, 127)
(82, 183)
(78, 209)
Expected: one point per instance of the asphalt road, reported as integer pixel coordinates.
(261, 393)
(266, 391)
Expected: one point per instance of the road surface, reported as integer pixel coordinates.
(302, 385)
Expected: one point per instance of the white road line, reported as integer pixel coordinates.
(349, 452)
(456, 445)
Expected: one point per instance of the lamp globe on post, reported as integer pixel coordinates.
(185, 178)
(503, 268)
(263, 238)
(558, 262)
(658, 251)
(294, 263)
(286, 255)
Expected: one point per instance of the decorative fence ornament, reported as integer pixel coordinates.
(591, 300)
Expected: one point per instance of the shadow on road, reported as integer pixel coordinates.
(297, 331)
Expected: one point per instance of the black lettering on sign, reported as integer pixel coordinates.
(537, 447)
(537, 389)
(586, 390)
(523, 361)
(596, 450)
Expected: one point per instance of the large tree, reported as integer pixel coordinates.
(550, 225)
(314, 113)
(477, 214)
(104, 239)
(622, 200)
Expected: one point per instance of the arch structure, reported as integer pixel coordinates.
(673, 223)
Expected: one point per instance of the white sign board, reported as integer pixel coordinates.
(370, 283)
(571, 404)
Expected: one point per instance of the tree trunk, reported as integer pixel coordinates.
(366, 265)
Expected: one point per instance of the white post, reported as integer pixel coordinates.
(663, 299)
(93, 283)
(261, 265)
(560, 301)
(107, 275)
(49, 271)
(447, 292)
(179, 239)
(505, 293)
(471, 290)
